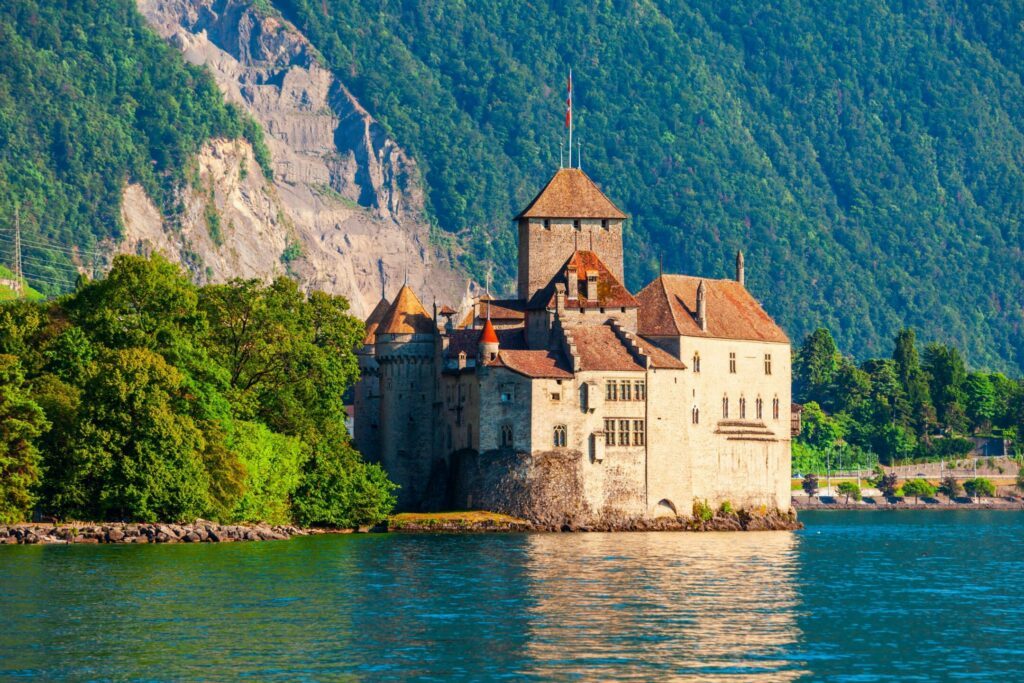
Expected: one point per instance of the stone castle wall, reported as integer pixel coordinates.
(544, 250)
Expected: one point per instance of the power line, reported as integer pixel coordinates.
(39, 244)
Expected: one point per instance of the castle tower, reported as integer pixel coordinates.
(570, 213)
(405, 351)
(488, 342)
(366, 393)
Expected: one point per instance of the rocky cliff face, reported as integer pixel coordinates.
(343, 192)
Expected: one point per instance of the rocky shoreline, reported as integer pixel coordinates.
(453, 523)
(200, 531)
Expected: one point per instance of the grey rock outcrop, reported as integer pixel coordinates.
(342, 190)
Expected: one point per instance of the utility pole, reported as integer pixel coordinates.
(19, 275)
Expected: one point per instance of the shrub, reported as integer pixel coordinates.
(338, 489)
(887, 484)
(702, 511)
(726, 509)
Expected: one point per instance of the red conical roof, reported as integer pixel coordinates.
(488, 336)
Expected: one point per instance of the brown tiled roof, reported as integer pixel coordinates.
(469, 340)
(571, 194)
(599, 348)
(610, 292)
(659, 357)
(447, 310)
(537, 364)
(406, 316)
(501, 309)
(668, 306)
(378, 313)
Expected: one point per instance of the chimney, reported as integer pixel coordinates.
(591, 293)
(559, 299)
(702, 306)
(572, 280)
(739, 268)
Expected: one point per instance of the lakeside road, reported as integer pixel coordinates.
(938, 502)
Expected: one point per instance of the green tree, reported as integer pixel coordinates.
(815, 368)
(918, 411)
(947, 376)
(340, 490)
(980, 487)
(21, 422)
(136, 453)
(918, 488)
(980, 394)
(850, 490)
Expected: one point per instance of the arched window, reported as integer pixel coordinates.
(506, 436)
(775, 408)
(696, 362)
(759, 406)
(695, 415)
(743, 408)
(725, 407)
(559, 436)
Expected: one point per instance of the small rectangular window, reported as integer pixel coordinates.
(732, 363)
(556, 396)
(626, 391)
(611, 392)
(577, 224)
(609, 432)
(640, 390)
(547, 223)
(639, 436)
(623, 432)
(508, 393)
(767, 363)
(604, 223)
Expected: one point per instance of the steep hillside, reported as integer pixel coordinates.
(91, 99)
(343, 192)
(868, 156)
(110, 141)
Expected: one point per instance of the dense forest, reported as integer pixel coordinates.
(91, 98)
(142, 397)
(915, 405)
(868, 156)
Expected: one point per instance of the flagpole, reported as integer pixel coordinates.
(570, 118)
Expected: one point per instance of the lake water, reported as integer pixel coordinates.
(857, 596)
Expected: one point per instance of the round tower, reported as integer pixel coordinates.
(405, 350)
(366, 393)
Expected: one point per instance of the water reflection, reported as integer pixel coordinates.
(700, 606)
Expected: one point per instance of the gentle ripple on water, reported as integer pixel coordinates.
(854, 597)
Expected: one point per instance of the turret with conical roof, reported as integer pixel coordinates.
(570, 213)
(366, 392)
(405, 348)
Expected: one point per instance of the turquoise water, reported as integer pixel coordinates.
(854, 597)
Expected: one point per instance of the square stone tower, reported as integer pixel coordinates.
(570, 213)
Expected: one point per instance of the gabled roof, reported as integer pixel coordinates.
(610, 292)
(534, 364)
(571, 194)
(668, 308)
(372, 322)
(599, 348)
(406, 316)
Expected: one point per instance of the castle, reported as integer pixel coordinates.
(579, 400)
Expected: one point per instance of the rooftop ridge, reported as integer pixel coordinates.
(571, 194)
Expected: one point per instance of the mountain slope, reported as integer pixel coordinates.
(868, 156)
(91, 99)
